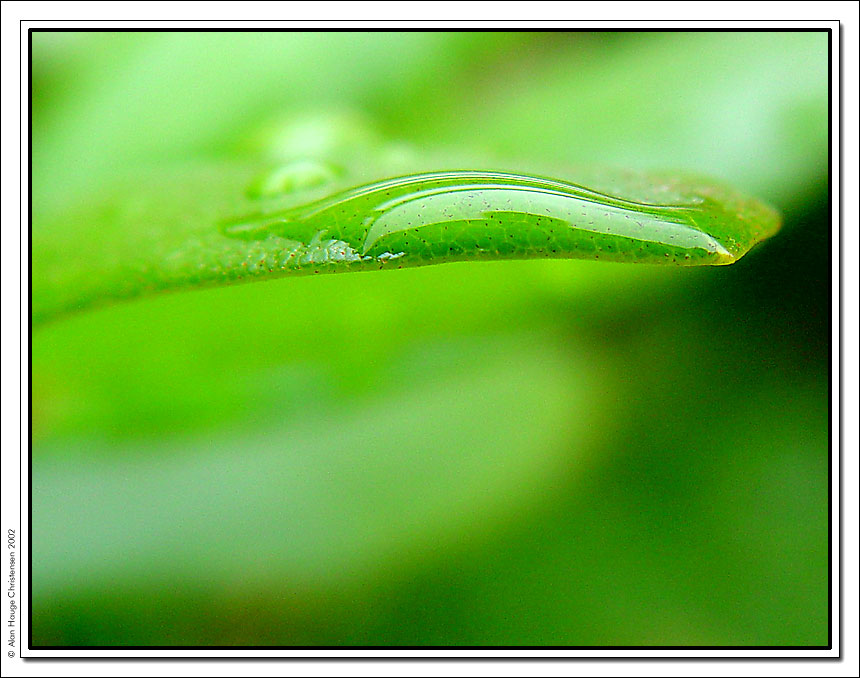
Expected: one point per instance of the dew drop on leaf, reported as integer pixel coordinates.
(455, 213)
(293, 176)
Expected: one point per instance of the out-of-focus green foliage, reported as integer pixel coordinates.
(746, 107)
(531, 452)
(104, 101)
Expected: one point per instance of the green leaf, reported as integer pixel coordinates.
(226, 223)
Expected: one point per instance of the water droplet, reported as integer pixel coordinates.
(296, 175)
(441, 216)
(315, 134)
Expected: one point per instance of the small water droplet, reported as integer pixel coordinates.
(296, 175)
(315, 134)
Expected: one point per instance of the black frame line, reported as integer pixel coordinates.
(456, 648)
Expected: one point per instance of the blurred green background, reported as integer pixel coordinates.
(507, 453)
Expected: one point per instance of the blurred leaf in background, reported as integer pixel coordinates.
(534, 452)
